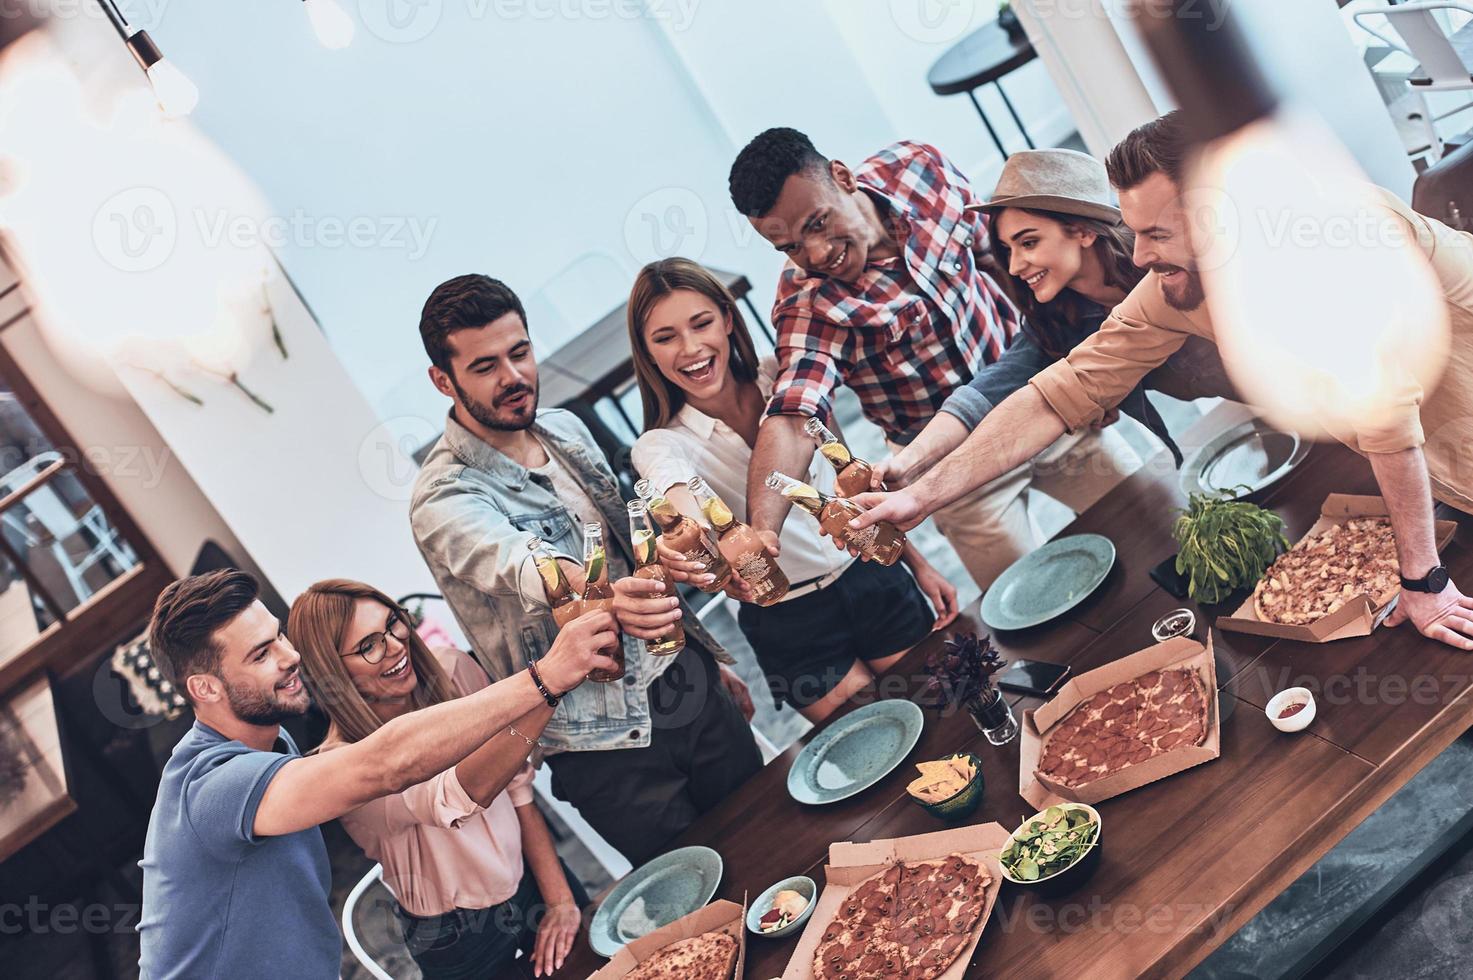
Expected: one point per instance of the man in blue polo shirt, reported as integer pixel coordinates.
(235, 874)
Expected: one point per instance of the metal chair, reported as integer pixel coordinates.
(1423, 37)
(350, 932)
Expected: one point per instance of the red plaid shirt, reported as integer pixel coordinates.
(913, 327)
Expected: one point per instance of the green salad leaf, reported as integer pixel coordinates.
(1049, 843)
(1226, 545)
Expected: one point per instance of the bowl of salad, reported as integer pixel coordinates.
(1055, 850)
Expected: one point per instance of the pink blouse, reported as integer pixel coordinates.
(439, 848)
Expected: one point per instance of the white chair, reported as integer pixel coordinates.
(1423, 37)
(350, 932)
(60, 525)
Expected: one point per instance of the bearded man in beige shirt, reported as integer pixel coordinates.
(1155, 320)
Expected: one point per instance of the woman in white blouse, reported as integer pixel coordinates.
(704, 393)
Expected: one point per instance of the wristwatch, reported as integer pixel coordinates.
(1434, 581)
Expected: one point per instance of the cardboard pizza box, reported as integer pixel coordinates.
(850, 864)
(1180, 651)
(722, 916)
(1358, 617)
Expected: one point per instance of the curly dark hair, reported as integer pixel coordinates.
(463, 303)
(1159, 146)
(772, 157)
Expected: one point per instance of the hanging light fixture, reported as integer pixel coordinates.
(1322, 306)
(333, 27)
(176, 94)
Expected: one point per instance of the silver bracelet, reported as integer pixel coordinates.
(513, 730)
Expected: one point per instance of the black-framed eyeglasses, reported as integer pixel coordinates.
(375, 646)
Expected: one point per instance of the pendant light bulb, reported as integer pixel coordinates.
(1325, 308)
(177, 95)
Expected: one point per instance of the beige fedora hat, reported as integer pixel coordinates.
(1065, 181)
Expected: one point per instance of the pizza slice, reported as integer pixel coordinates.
(709, 956)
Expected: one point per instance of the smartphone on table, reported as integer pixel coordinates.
(1033, 677)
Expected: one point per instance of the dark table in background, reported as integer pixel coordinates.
(1186, 860)
(983, 57)
(597, 363)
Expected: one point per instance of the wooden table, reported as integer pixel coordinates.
(983, 57)
(1186, 860)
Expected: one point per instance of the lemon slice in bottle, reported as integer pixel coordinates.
(550, 577)
(717, 513)
(800, 492)
(644, 546)
(595, 568)
(836, 453)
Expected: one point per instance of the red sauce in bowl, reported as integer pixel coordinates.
(1293, 709)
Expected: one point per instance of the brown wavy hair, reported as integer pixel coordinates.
(1050, 323)
(661, 397)
(318, 625)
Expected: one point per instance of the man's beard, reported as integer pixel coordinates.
(486, 414)
(1188, 295)
(257, 709)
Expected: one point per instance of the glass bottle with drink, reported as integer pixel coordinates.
(881, 542)
(598, 593)
(647, 565)
(741, 546)
(853, 474)
(685, 536)
(566, 604)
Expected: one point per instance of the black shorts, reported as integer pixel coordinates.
(806, 645)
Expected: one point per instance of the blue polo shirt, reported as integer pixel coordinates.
(219, 901)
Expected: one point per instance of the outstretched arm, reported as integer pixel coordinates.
(1017, 430)
(1446, 616)
(782, 445)
(417, 746)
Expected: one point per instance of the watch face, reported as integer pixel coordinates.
(1437, 579)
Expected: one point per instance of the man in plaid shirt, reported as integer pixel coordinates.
(884, 291)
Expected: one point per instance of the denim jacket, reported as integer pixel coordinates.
(473, 511)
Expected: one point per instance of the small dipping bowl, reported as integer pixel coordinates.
(1300, 719)
(801, 884)
(1178, 622)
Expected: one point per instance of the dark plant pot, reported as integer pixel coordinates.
(994, 716)
(1009, 22)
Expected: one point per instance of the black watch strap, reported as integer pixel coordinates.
(1434, 581)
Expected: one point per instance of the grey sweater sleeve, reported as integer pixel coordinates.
(1021, 361)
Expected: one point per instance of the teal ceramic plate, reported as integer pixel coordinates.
(855, 752)
(655, 895)
(1251, 454)
(1047, 582)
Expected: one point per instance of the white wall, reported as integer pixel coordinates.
(551, 151)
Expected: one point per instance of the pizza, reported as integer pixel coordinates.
(1326, 570)
(1125, 725)
(910, 921)
(709, 956)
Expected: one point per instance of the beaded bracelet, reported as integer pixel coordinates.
(551, 699)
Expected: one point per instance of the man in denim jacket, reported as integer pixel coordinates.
(639, 757)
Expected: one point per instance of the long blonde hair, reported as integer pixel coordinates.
(317, 626)
(661, 397)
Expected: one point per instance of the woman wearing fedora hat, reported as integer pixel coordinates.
(1068, 257)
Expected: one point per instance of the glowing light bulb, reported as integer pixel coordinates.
(177, 95)
(333, 27)
(1323, 305)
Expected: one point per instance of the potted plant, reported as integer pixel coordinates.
(961, 673)
(1007, 19)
